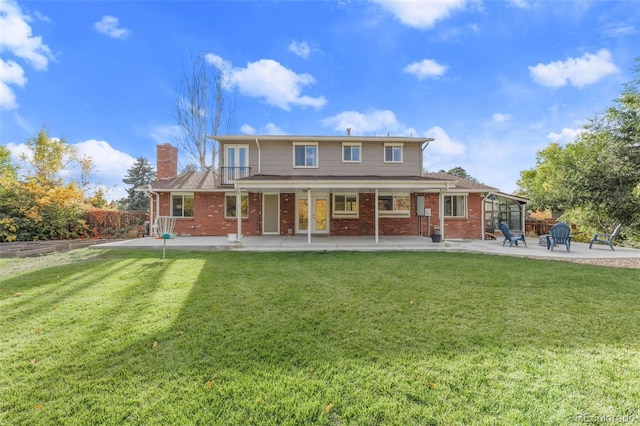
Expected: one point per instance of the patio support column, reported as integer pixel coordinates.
(482, 222)
(239, 213)
(441, 212)
(309, 209)
(375, 210)
(523, 208)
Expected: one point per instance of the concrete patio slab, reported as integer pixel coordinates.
(392, 243)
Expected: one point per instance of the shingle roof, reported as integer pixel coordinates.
(462, 183)
(188, 181)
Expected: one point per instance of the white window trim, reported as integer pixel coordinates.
(351, 144)
(295, 144)
(345, 214)
(466, 206)
(183, 194)
(236, 147)
(395, 213)
(394, 145)
(233, 194)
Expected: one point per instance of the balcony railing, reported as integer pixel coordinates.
(231, 174)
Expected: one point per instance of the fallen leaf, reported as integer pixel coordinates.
(179, 332)
(155, 344)
(209, 384)
(38, 407)
(258, 400)
(328, 408)
(32, 360)
(17, 294)
(432, 385)
(37, 331)
(413, 302)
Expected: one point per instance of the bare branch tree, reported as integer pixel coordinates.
(200, 110)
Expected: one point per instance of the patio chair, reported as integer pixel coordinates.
(606, 238)
(560, 233)
(511, 236)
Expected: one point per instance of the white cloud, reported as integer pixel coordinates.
(18, 39)
(110, 26)
(301, 48)
(499, 117)
(247, 129)
(421, 14)
(565, 136)
(443, 144)
(579, 72)
(522, 4)
(110, 164)
(10, 73)
(425, 68)
(272, 129)
(268, 79)
(371, 121)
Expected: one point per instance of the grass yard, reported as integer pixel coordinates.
(230, 338)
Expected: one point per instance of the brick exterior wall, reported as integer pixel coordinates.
(287, 213)
(209, 218)
(471, 227)
(167, 161)
(208, 212)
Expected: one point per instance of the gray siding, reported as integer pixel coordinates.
(277, 159)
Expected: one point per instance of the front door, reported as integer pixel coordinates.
(317, 216)
(270, 214)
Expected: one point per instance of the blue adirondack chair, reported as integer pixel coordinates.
(512, 237)
(606, 238)
(560, 233)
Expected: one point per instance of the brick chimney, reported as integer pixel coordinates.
(167, 158)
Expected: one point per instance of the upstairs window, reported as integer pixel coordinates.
(305, 155)
(351, 152)
(455, 206)
(392, 153)
(182, 205)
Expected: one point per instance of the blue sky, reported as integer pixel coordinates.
(492, 81)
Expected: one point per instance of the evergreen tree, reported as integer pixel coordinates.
(139, 174)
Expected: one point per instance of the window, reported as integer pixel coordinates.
(394, 205)
(236, 163)
(392, 153)
(455, 206)
(182, 205)
(305, 155)
(230, 205)
(345, 205)
(350, 153)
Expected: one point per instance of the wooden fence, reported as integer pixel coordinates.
(538, 226)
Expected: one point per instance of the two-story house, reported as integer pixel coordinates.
(321, 185)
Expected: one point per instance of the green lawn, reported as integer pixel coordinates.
(230, 338)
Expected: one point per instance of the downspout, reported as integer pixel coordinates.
(441, 210)
(259, 157)
(426, 144)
